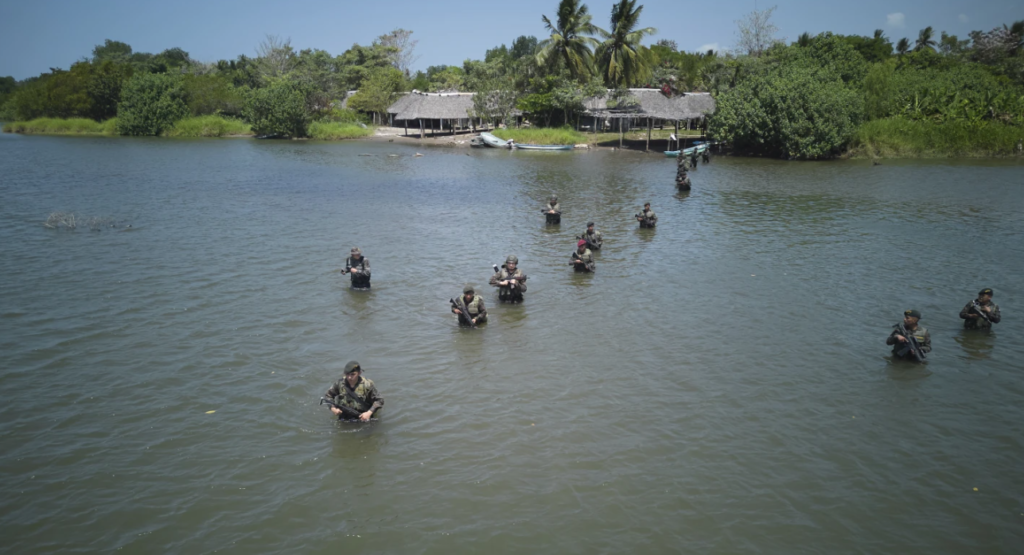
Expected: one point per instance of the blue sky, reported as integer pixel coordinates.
(40, 34)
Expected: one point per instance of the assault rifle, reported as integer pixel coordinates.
(464, 317)
(590, 244)
(911, 346)
(347, 412)
(348, 266)
(977, 308)
(578, 262)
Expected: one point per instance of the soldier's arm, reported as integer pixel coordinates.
(557, 207)
(495, 279)
(891, 340)
(333, 392)
(366, 267)
(483, 309)
(966, 312)
(994, 316)
(926, 345)
(374, 398)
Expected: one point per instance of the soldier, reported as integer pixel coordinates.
(706, 155)
(647, 218)
(356, 393)
(510, 281)
(553, 212)
(593, 237)
(582, 259)
(359, 268)
(899, 342)
(682, 180)
(693, 158)
(980, 314)
(473, 304)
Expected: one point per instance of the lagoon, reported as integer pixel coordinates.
(720, 384)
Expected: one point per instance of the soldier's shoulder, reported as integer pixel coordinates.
(368, 382)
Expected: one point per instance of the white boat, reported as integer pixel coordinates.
(492, 141)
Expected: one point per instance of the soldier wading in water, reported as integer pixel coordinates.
(981, 313)
(470, 307)
(354, 397)
(901, 346)
(553, 212)
(510, 281)
(359, 268)
(647, 218)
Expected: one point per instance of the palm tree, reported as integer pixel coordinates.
(568, 42)
(924, 39)
(903, 46)
(621, 59)
(879, 34)
(804, 40)
(1017, 30)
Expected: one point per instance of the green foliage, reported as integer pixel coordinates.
(344, 115)
(332, 131)
(104, 88)
(903, 138)
(876, 49)
(878, 90)
(111, 51)
(151, 103)
(569, 45)
(794, 111)
(496, 99)
(451, 78)
(278, 109)
(542, 136)
(57, 126)
(208, 126)
(621, 60)
(967, 92)
(212, 93)
(380, 90)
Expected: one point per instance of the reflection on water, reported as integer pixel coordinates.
(720, 382)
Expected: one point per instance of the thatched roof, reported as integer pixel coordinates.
(654, 104)
(417, 105)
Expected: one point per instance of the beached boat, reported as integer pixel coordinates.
(688, 151)
(542, 147)
(492, 141)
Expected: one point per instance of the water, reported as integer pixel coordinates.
(721, 384)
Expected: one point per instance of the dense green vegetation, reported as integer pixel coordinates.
(818, 97)
(543, 135)
(65, 126)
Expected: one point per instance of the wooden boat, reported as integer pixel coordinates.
(688, 151)
(492, 141)
(542, 147)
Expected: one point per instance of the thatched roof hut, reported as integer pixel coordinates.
(655, 104)
(440, 106)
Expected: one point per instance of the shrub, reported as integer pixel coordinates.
(72, 126)
(542, 135)
(208, 126)
(151, 103)
(906, 138)
(279, 109)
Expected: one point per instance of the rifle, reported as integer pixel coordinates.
(586, 238)
(977, 308)
(464, 317)
(577, 261)
(346, 411)
(348, 266)
(911, 344)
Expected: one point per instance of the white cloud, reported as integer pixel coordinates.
(896, 20)
(963, 18)
(711, 46)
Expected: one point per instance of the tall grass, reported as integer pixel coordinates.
(332, 131)
(542, 135)
(208, 126)
(903, 138)
(57, 126)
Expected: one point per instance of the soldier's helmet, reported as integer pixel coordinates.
(468, 288)
(512, 258)
(554, 198)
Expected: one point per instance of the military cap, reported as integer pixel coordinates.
(468, 288)
(352, 366)
(985, 291)
(580, 243)
(554, 197)
(355, 250)
(512, 258)
(647, 204)
(590, 224)
(912, 313)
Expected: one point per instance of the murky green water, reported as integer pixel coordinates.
(720, 385)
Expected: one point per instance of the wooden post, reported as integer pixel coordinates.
(421, 128)
(620, 132)
(650, 124)
(677, 135)
(406, 122)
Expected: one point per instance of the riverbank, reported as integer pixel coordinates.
(902, 138)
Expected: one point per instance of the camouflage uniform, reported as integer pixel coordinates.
(924, 339)
(587, 260)
(361, 398)
(555, 218)
(980, 323)
(360, 280)
(594, 240)
(508, 293)
(475, 308)
(650, 219)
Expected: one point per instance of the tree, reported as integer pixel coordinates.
(804, 39)
(903, 46)
(879, 34)
(379, 91)
(108, 79)
(274, 57)
(151, 103)
(278, 110)
(450, 79)
(757, 32)
(496, 100)
(522, 47)
(621, 59)
(212, 94)
(569, 44)
(111, 50)
(404, 49)
(925, 40)
(669, 44)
